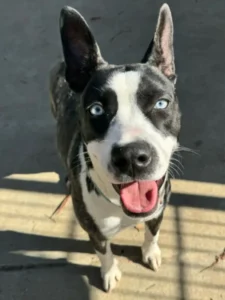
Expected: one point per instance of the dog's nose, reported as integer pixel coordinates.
(131, 158)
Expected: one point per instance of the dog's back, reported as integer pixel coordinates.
(58, 87)
(63, 102)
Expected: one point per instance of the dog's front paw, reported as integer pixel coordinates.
(152, 256)
(111, 276)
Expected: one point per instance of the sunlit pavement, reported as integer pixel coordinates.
(43, 258)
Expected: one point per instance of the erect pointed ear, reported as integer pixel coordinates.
(161, 48)
(81, 52)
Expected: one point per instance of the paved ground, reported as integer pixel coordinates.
(40, 259)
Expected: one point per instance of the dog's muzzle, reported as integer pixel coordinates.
(132, 159)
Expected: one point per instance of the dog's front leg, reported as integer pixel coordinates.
(151, 253)
(110, 271)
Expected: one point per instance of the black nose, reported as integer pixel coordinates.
(132, 158)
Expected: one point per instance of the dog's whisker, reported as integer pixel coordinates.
(186, 149)
(179, 166)
(177, 152)
(75, 166)
(80, 172)
(97, 89)
(177, 161)
(175, 174)
(176, 169)
(171, 170)
(77, 155)
(76, 158)
(179, 170)
(171, 173)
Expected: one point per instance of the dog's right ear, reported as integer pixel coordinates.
(81, 53)
(160, 52)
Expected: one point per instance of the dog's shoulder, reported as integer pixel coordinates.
(62, 99)
(56, 85)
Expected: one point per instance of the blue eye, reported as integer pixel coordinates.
(96, 110)
(161, 104)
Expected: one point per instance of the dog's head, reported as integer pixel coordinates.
(129, 114)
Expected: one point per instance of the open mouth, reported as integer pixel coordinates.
(139, 196)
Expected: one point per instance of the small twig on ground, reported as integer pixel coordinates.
(138, 227)
(61, 205)
(150, 286)
(219, 257)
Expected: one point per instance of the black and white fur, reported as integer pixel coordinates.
(110, 131)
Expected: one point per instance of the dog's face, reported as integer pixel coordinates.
(129, 114)
(130, 122)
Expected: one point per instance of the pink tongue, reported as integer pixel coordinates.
(139, 197)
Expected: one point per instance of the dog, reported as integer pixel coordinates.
(117, 130)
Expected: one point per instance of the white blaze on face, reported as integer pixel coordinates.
(129, 125)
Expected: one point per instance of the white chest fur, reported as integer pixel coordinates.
(109, 217)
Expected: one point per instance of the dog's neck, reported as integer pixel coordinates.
(101, 185)
(104, 187)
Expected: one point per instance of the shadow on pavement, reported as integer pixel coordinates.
(62, 280)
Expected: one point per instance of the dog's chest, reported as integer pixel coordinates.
(109, 217)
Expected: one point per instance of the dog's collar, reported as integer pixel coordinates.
(99, 191)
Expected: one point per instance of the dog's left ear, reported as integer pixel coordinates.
(160, 52)
(81, 53)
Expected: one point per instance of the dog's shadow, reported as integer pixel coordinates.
(13, 242)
